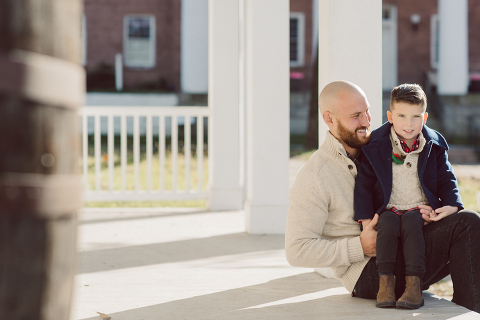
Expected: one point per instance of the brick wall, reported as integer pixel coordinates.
(105, 38)
(413, 43)
(474, 35)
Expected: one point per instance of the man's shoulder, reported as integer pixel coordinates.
(320, 162)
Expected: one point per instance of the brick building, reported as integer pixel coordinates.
(416, 48)
(159, 49)
(146, 32)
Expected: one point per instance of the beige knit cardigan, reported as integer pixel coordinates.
(320, 228)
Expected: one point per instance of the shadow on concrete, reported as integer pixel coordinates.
(304, 296)
(187, 250)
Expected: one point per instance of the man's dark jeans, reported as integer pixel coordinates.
(452, 246)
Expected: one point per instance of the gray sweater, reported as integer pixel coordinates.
(320, 228)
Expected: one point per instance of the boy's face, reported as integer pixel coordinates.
(408, 120)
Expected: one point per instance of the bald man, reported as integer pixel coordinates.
(321, 231)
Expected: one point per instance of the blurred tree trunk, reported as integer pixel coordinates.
(41, 88)
(311, 140)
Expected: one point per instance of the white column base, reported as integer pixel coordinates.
(266, 219)
(226, 199)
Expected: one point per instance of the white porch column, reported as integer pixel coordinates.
(223, 100)
(453, 47)
(194, 46)
(350, 48)
(267, 114)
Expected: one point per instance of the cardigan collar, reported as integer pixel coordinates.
(332, 146)
(397, 148)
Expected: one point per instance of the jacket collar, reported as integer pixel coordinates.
(430, 135)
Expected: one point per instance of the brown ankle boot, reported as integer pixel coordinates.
(386, 292)
(412, 298)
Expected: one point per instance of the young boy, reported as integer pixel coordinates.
(404, 166)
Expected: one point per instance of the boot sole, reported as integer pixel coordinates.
(387, 304)
(406, 305)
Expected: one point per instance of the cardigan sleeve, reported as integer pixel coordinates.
(305, 244)
(364, 188)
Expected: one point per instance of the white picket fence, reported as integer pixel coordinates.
(156, 124)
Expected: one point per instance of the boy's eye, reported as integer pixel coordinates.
(401, 116)
(417, 116)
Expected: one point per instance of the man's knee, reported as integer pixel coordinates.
(469, 217)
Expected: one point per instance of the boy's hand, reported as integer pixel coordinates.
(442, 212)
(368, 237)
(427, 212)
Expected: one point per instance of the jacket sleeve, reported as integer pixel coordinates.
(364, 189)
(305, 244)
(448, 191)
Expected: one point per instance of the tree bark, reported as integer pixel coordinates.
(40, 189)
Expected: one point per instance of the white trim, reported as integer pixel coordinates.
(150, 61)
(392, 24)
(434, 41)
(84, 40)
(300, 17)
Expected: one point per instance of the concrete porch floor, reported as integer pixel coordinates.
(186, 264)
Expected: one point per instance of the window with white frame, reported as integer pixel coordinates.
(297, 39)
(139, 41)
(434, 33)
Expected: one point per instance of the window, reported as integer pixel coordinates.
(139, 41)
(297, 39)
(434, 41)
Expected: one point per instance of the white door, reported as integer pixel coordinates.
(389, 48)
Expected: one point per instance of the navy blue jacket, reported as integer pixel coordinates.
(373, 185)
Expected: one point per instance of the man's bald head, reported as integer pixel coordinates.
(345, 109)
(332, 94)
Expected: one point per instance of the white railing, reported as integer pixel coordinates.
(157, 126)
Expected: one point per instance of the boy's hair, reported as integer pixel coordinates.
(411, 93)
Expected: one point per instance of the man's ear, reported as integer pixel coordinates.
(327, 117)
(390, 116)
(425, 116)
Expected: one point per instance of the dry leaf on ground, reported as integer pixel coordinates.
(104, 316)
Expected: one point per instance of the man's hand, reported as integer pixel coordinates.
(368, 237)
(442, 212)
(366, 222)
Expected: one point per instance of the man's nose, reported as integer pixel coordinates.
(366, 120)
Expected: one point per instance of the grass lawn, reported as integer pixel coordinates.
(143, 179)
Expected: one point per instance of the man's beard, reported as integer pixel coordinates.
(351, 138)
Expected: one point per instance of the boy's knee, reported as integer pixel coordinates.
(388, 219)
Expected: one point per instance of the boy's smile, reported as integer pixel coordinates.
(408, 120)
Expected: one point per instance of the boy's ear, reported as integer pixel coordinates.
(390, 116)
(425, 116)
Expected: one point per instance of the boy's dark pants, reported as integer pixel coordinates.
(452, 246)
(406, 229)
